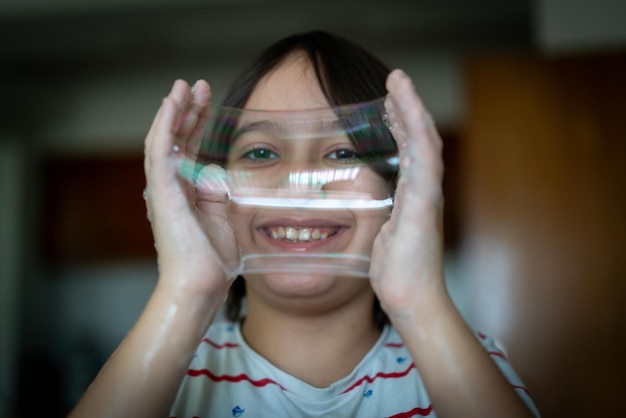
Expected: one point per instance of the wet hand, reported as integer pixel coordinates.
(195, 242)
(407, 257)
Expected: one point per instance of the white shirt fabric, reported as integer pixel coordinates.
(227, 378)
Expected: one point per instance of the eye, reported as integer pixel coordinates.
(344, 155)
(259, 154)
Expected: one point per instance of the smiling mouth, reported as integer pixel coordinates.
(297, 234)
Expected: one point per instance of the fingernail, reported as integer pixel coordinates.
(176, 83)
(401, 73)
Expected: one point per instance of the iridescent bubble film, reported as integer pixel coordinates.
(307, 190)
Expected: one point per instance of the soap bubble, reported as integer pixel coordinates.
(308, 190)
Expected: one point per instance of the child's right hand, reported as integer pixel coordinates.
(196, 245)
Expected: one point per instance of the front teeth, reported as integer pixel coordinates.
(292, 234)
(304, 235)
(298, 235)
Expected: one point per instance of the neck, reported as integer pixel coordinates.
(318, 348)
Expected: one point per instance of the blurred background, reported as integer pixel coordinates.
(530, 98)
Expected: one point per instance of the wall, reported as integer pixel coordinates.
(564, 26)
(12, 166)
(543, 223)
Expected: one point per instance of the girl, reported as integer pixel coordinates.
(306, 345)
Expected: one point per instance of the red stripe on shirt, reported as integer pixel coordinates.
(233, 379)
(394, 345)
(423, 412)
(497, 353)
(220, 346)
(393, 375)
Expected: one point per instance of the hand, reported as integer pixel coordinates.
(407, 257)
(188, 222)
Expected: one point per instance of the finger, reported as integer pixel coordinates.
(421, 151)
(393, 221)
(198, 97)
(181, 94)
(147, 146)
(197, 117)
(202, 95)
(190, 108)
(161, 136)
(394, 123)
(201, 92)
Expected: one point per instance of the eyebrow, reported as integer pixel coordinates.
(325, 126)
(261, 125)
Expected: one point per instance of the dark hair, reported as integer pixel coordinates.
(347, 74)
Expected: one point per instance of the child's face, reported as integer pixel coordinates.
(293, 86)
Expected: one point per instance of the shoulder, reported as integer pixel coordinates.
(392, 350)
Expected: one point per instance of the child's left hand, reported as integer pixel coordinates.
(407, 257)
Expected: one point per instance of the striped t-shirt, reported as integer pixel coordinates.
(227, 378)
